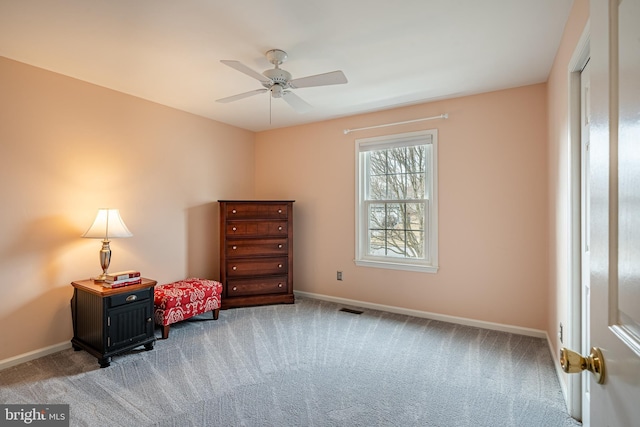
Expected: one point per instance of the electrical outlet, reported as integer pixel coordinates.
(339, 275)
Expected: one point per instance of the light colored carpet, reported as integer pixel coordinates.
(306, 364)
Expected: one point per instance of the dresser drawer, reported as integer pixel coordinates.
(257, 286)
(128, 297)
(257, 247)
(262, 211)
(256, 228)
(256, 266)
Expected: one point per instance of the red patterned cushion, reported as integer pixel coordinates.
(184, 299)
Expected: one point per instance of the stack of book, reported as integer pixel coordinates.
(122, 278)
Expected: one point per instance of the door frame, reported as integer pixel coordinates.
(573, 334)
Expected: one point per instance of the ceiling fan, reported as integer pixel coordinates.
(279, 81)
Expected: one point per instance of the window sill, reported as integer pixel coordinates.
(397, 266)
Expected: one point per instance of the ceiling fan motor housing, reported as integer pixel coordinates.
(278, 75)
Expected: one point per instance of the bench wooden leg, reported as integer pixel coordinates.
(165, 332)
(216, 313)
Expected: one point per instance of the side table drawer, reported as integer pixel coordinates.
(128, 298)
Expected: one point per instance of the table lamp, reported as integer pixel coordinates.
(107, 225)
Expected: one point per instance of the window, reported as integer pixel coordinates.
(397, 204)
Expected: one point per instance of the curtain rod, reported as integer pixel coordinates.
(441, 116)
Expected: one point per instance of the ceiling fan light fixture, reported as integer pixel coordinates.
(276, 91)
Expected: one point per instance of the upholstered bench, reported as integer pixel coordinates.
(183, 299)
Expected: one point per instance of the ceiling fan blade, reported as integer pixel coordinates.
(297, 103)
(237, 65)
(332, 78)
(241, 95)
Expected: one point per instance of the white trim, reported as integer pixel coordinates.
(537, 333)
(572, 385)
(559, 372)
(397, 266)
(430, 265)
(35, 354)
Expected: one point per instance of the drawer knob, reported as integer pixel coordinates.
(233, 211)
(234, 228)
(279, 210)
(280, 228)
(235, 288)
(234, 268)
(279, 265)
(131, 298)
(279, 285)
(234, 247)
(280, 246)
(149, 320)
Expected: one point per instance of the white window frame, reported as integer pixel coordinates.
(363, 145)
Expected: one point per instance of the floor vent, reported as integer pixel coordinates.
(350, 310)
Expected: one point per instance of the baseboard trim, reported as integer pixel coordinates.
(428, 315)
(35, 354)
(559, 372)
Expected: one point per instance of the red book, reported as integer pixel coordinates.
(124, 282)
(121, 275)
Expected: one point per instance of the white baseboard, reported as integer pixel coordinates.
(35, 354)
(559, 372)
(427, 315)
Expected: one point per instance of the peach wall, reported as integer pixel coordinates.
(69, 147)
(493, 207)
(559, 208)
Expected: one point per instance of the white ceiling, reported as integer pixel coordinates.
(393, 52)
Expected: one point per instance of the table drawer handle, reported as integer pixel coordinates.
(233, 211)
(234, 228)
(234, 247)
(280, 246)
(131, 298)
(279, 210)
(234, 268)
(280, 228)
(279, 285)
(279, 265)
(235, 288)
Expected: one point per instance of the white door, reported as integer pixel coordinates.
(615, 210)
(585, 232)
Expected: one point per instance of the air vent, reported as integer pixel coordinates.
(350, 310)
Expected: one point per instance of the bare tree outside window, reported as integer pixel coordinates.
(397, 200)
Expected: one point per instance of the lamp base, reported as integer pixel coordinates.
(100, 278)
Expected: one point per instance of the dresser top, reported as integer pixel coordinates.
(256, 201)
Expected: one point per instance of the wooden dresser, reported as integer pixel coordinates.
(256, 252)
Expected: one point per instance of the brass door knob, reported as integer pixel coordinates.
(573, 363)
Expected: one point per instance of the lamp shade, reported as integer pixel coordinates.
(107, 225)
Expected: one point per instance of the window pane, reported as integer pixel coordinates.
(377, 216)
(396, 230)
(397, 173)
(377, 243)
(377, 187)
(415, 244)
